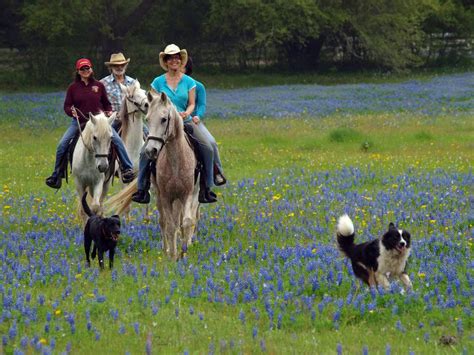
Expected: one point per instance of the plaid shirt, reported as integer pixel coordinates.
(114, 93)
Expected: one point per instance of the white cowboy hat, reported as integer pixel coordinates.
(173, 49)
(117, 59)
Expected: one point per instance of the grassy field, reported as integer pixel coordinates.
(264, 275)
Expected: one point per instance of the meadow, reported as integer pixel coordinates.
(264, 274)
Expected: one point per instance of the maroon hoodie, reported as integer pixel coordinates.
(90, 98)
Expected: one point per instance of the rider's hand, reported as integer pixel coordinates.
(183, 115)
(74, 112)
(108, 113)
(196, 119)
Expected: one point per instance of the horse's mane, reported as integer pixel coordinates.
(178, 122)
(101, 129)
(123, 116)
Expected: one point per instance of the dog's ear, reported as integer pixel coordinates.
(116, 216)
(391, 226)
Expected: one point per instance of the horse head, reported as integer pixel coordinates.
(164, 123)
(97, 136)
(135, 98)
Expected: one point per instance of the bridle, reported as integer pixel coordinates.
(159, 139)
(136, 104)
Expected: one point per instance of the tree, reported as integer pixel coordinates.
(86, 26)
(449, 29)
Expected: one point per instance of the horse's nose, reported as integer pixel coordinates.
(103, 166)
(151, 152)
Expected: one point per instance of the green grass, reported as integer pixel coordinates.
(250, 148)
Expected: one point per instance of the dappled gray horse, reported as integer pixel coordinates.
(177, 188)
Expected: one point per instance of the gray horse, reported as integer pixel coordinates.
(176, 186)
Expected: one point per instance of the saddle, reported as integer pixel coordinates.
(67, 159)
(193, 143)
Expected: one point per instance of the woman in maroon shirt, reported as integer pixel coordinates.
(87, 95)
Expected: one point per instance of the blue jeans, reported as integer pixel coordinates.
(126, 163)
(206, 150)
(72, 132)
(145, 165)
(212, 140)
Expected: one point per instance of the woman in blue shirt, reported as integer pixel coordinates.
(201, 130)
(181, 90)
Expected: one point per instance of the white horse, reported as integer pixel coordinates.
(134, 107)
(90, 160)
(177, 188)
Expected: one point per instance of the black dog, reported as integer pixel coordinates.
(104, 232)
(376, 261)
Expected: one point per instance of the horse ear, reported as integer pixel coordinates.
(112, 117)
(151, 94)
(137, 84)
(92, 118)
(163, 97)
(123, 88)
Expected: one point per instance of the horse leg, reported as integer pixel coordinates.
(166, 224)
(176, 221)
(80, 189)
(96, 197)
(189, 222)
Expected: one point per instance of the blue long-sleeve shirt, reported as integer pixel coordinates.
(200, 109)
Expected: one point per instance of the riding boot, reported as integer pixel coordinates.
(219, 178)
(141, 196)
(144, 183)
(54, 181)
(205, 193)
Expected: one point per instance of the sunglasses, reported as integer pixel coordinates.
(85, 68)
(173, 57)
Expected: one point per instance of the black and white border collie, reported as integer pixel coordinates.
(376, 261)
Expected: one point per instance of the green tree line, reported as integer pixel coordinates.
(40, 39)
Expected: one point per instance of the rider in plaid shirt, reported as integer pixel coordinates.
(117, 67)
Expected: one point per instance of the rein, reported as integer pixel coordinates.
(80, 130)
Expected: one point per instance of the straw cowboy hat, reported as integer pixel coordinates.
(170, 50)
(117, 59)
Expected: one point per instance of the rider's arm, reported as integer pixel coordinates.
(200, 101)
(68, 101)
(191, 102)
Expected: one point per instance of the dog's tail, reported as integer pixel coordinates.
(86, 208)
(345, 235)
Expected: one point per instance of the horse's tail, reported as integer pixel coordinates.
(85, 206)
(120, 202)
